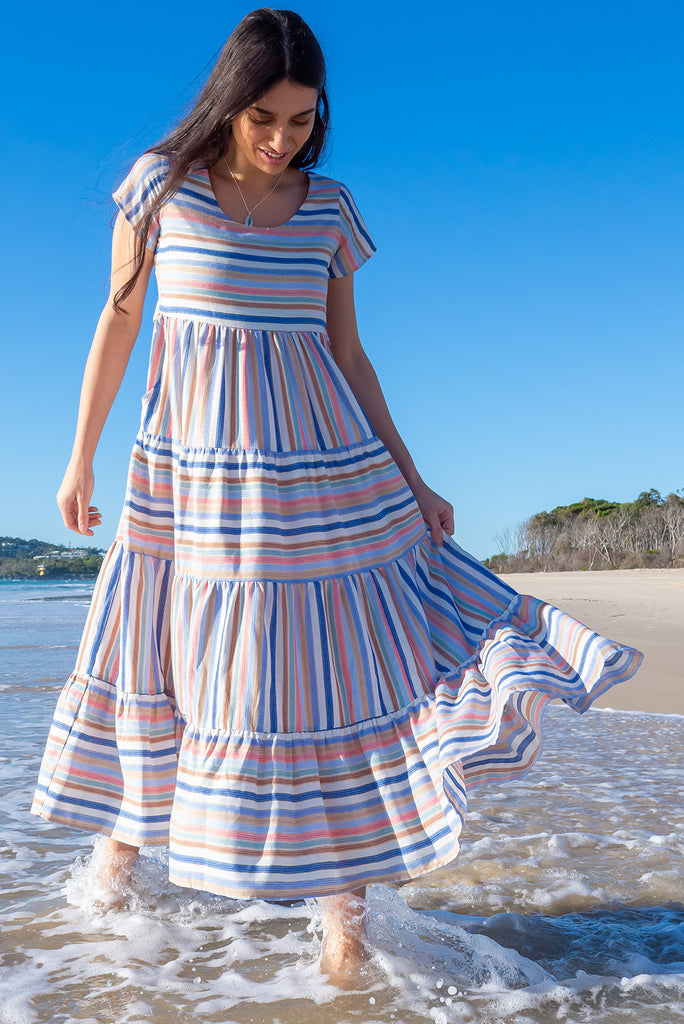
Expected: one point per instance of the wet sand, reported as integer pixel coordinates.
(640, 607)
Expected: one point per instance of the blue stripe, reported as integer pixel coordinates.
(106, 607)
(220, 256)
(274, 531)
(242, 318)
(302, 867)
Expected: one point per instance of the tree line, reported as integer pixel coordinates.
(596, 534)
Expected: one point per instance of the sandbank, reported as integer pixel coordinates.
(640, 607)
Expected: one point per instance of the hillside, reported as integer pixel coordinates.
(29, 559)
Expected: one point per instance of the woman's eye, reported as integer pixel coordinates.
(265, 121)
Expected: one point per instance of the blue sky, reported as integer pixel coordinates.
(520, 167)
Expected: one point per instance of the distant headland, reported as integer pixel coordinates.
(37, 559)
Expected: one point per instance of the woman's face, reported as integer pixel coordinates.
(275, 127)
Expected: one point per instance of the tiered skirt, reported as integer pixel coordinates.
(281, 676)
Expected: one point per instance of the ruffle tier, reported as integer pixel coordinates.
(283, 760)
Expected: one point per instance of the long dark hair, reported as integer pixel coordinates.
(266, 47)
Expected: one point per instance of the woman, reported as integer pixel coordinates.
(289, 671)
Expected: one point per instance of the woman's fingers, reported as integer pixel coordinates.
(94, 519)
(83, 516)
(88, 519)
(436, 529)
(438, 514)
(94, 516)
(446, 519)
(69, 510)
(73, 499)
(437, 535)
(77, 516)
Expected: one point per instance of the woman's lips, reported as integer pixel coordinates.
(273, 159)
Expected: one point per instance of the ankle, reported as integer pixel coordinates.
(124, 851)
(346, 912)
(114, 862)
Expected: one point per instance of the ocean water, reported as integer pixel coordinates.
(565, 904)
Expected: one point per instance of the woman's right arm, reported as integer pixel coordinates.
(107, 360)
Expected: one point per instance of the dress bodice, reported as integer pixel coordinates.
(216, 270)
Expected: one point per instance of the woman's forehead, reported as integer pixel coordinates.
(287, 97)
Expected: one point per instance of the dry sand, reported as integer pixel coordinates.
(640, 607)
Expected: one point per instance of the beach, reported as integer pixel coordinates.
(640, 607)
(564, 904)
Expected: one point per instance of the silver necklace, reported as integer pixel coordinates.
(248, 219)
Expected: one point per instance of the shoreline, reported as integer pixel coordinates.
(643, 608)
(47, 579)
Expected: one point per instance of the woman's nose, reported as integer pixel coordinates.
(279, 140)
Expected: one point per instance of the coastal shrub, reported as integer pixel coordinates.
(597, 534)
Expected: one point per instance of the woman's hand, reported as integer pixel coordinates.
(73, 499)
(437, 512)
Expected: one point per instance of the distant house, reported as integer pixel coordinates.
(11, 548)
(66, 553)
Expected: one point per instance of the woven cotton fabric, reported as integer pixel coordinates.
(281, 676)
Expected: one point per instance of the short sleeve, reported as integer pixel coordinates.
(138, 191)
(355, 243)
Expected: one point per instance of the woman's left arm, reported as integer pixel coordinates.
(358, 371)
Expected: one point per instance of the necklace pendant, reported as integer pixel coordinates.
(248, 220)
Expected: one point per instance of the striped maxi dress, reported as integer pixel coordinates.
(281, 676)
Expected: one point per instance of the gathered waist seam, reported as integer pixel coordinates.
(260, 327)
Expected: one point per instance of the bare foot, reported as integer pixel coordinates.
(343, 950)
(113, 864)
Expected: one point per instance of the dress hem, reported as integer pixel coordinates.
(231, 892)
